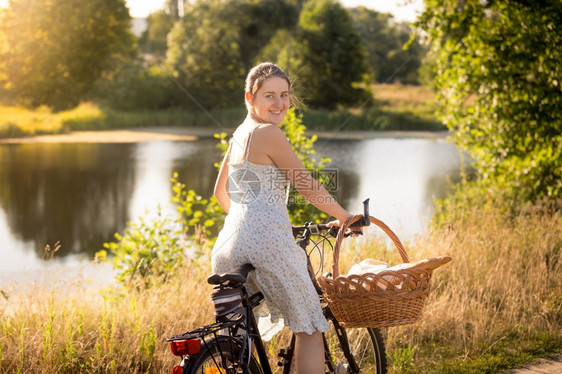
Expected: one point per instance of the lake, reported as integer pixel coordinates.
(81, 194)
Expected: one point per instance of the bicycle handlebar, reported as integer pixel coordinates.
(315, 229)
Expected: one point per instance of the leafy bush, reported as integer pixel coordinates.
(201, 218)
(497, 66)
(147, 252)
(299, 209)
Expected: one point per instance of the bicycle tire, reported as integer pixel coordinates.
(367, 348)
(219, 356)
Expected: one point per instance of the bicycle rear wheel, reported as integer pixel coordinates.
(220, 356)
(366, 346)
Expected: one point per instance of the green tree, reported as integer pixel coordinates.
(376, 33)
(328, 55)
(173, 7)
(498, 78)
(387, 59)
(404, 62)
(217, 42)
(52, 51)
(135, 84)
(154, 39)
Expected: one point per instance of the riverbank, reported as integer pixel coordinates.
(116, 136)
(394, 108)
(194, 133)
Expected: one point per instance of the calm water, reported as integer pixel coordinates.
(82, 194)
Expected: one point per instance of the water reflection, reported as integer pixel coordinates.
(81, 194)
(73, 193)
(155, 162)
(401, 176)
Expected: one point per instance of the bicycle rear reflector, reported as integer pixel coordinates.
(185, 347)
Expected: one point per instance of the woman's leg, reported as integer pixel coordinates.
(309, 353)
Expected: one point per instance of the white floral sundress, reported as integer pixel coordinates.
(257, 230)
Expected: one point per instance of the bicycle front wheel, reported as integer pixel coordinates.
(366, 346)
(220, 357)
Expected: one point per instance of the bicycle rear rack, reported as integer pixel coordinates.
(204, 331)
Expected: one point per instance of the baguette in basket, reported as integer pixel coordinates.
(371, 266)
(387, 298)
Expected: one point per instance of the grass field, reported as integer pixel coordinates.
(394, 107)
(18, 122)
(416, 101)
(498, 304)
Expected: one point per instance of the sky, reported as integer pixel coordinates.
(403, 10)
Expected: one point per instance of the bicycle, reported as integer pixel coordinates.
(230, 345)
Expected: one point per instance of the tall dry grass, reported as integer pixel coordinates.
(498, 303)
(72, 328)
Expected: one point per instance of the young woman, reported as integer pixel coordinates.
(251, 187)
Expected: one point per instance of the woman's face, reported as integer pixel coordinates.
(271, 102)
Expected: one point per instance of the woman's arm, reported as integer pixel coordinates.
(275, 144)
(220, 185)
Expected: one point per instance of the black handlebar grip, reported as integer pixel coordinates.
(366, 220)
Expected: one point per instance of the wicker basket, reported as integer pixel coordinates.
(388, 298)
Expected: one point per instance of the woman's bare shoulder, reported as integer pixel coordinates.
(270, 131)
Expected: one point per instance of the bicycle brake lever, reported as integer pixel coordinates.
(334, 231)
(352, 232)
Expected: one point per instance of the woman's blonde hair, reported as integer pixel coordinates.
(259, 73)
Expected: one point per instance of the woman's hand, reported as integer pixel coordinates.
(335, 223)
(356, 231)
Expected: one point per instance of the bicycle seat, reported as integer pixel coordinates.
(235, 278)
